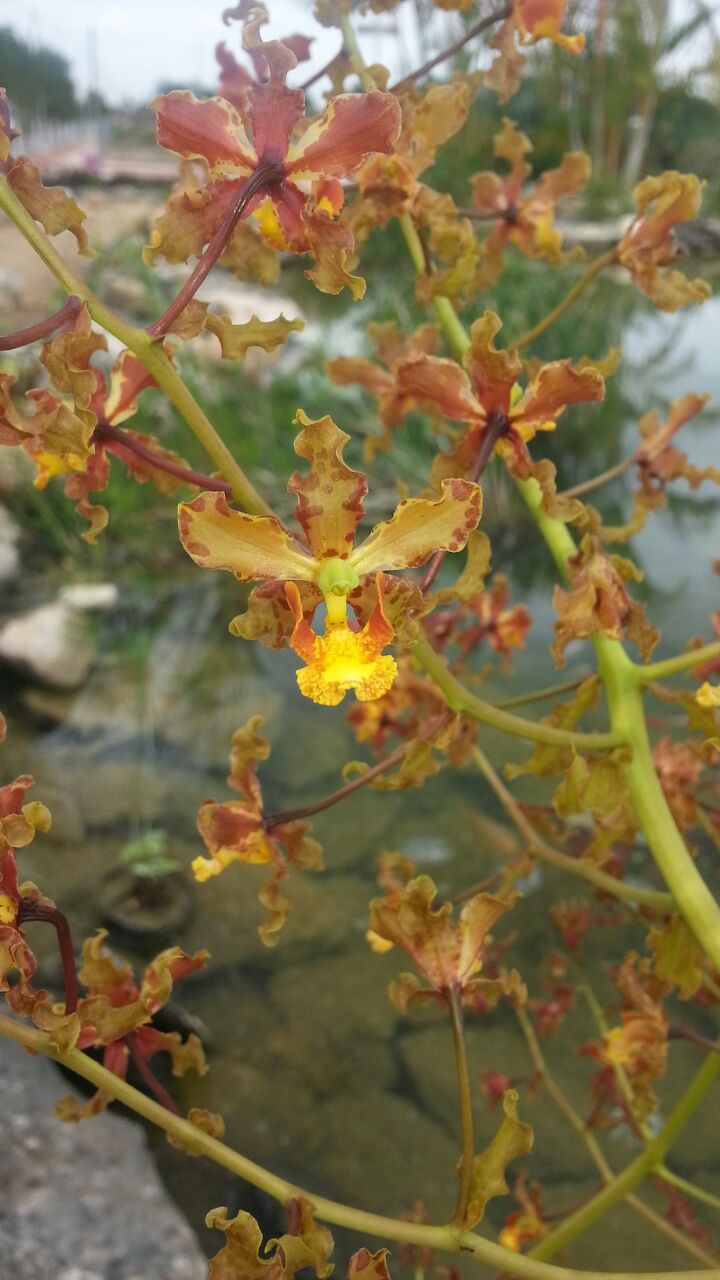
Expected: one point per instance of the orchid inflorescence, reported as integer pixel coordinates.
(404, 616)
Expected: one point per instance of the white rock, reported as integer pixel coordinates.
(51, 644)
(90, 595)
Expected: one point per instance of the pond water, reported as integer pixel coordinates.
(316, 1076)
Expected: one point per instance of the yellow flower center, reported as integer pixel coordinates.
(270, 228)
(343, 660)
(7, 909)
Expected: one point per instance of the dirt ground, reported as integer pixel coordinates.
(26, 285)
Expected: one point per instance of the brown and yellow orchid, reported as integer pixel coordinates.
(524, 220)
(264, 173)
(483, 395)
(238, 831)
(649, 247)
(72, 434)
(298, 577)
(541, 19)
(448, 954)
(116, 1015)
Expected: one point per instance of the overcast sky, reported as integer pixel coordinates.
(136, 44)
(142, 42)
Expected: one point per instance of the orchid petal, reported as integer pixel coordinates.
(207, 129)
(251, 547)
(354, 126)
(330, 496)
(442, 382)
(421, 526)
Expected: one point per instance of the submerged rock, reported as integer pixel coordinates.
(68, 1211)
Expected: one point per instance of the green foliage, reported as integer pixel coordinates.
(37, 80)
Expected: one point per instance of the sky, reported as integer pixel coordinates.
(137, 44)
(140, 43)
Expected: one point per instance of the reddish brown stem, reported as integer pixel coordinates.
(43, 328)
(268, 175)
(306, 811)
(147, 1075)
(318, 75)
(52, 915)
(496, 424)
(695, 1037)
(105, 433)
(476, 30)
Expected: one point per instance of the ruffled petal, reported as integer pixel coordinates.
(434, 380)
(207, 129)
(421, 526)
(556, 385)
(354, 126)
(251, 547)
(330, 495)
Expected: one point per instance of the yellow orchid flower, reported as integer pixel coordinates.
(298, 575)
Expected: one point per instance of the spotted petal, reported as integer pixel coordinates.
(251, 547)
(421, 526)
(330, 496)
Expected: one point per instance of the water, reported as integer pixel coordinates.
(315, 1074)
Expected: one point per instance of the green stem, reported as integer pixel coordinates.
(465, 1100)
(595, 267)
(147, 350)
(541, 695)
(587, 871)
(460, 699)
(698, 906)
(689, 1188)
(675, 666)
(644, 1164)
(448, 1239)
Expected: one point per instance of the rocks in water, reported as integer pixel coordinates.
(50, 644)
(67, 1210)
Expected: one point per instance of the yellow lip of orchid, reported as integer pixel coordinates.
(8, 909)
(328, 565)
(342, 659)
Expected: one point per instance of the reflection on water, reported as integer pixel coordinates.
(315, 1074)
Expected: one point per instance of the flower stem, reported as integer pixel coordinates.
(593, 1147)
(106, 433)
(147, 1075)
(52, 915)
(588, 871)
(540, 695)
(698, 906)
(265, 175)
(375, 771)
(477, 29)
(446, 1238)
(43, 328)
(634, 1173)
(594, 269)
(689, 1188)
(151, 355)
(603, 477)
(460, 699)
(675, 666)
(465, 1102)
